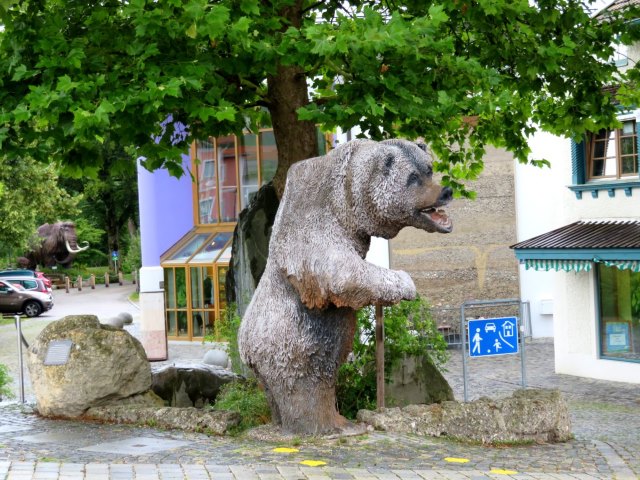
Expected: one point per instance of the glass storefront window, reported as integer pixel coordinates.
(619, 298)
(248, 166)
(222, 276)
(182, 324)
(172, 324)
(207, 182)
(181, 288)
(170, 287)
(197, 288)
(212, 248)
(192, 246)
(192, 291)
(228, 179)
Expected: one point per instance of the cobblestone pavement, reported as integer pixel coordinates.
(605, 415)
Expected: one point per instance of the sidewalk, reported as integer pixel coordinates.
(605, 415)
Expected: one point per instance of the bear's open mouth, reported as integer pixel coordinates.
(439, 217)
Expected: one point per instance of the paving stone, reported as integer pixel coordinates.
(605, 418)
(244, 473)
(136, 446)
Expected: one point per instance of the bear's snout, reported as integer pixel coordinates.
(446, 194)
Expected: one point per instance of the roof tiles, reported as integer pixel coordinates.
(588, 234)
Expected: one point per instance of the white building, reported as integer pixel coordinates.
(579, 248)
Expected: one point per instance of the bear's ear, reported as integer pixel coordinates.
(388, 160)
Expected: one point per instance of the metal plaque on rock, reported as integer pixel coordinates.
(58, 352)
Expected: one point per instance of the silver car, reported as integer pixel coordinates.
(29, 283)
(18, 300)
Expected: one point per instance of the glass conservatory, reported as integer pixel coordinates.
(228, 171)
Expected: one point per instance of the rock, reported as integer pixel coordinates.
(126, 317)
(190, 385)
(415, 381)
(250, 247)
(189, 419)
(533, 415)
(114, 322)
(120, 320)
(105, 364)
(146, 399)
(218, 358)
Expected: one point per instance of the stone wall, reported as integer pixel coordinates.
(474, 262)
(534, 415)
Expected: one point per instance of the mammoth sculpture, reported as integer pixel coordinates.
(58, 245)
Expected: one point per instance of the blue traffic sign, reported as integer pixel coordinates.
(493, 336)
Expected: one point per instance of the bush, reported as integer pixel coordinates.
(248, 400)
(409, 330)
(132, 260)
(5, 381)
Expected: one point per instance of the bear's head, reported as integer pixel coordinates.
(394, 187)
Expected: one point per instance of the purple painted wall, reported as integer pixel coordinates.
(166, 210)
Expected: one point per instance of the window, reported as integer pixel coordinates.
(619, 301)
(209, 169)
(608, 160)
(613, 154)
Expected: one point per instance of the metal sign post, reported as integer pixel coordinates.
(20, 365)
(491, 336)
(379, 357)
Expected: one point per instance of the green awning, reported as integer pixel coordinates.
(546, 265)
(633, 265)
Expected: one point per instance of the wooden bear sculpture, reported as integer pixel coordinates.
(300, 324)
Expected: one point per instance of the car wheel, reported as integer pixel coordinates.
(32, 308)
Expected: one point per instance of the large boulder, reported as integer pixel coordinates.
(417, 380)
(104, 365)
(534, 415)
(190, 385)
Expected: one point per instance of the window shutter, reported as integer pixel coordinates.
(578, 162)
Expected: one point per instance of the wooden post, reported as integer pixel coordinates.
(379, 357)
(106, 279)
(120, 278)
(79, 283)
(67, 283)
(134, 274)
(92, 281)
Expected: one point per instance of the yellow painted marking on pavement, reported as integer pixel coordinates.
(285, 450)
(313, 463)
(501, 471)
(456, 460)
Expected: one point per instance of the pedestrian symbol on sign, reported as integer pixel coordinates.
(493, 336)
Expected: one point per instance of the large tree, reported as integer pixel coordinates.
(110, 199)
(459, 73)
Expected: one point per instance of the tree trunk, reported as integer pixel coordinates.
(296, 140)
(287, 91)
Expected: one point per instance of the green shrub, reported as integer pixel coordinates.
(409, 330)
(5, 381)
(132, 260)
(248, 400)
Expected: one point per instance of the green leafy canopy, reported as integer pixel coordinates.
(459, 73)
